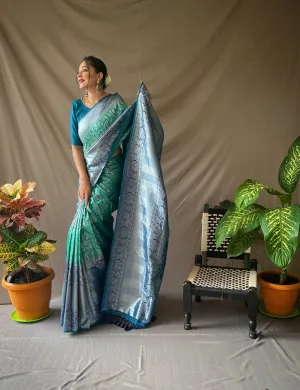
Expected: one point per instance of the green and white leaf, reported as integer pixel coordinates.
(241, 242)
(249, 191)
(281, 228)
(10, 237)
(289, 171)
(236, 220)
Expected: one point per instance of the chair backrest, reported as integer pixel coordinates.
(210, 219)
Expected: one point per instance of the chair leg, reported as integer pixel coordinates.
(252, 312)
(187, 305)
(197, 298)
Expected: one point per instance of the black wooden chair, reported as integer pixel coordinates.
(216, 281)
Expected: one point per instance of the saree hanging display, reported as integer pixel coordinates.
(113, 275)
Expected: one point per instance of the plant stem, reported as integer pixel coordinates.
(282, 276)
(27, 274)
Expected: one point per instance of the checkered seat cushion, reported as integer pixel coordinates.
(223, 278)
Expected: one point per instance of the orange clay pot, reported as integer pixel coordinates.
(279, 300)
(31, 300)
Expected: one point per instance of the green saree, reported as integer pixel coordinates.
(115, 275)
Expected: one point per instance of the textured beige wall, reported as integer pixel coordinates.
(224, 78)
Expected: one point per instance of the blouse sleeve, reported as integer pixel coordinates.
(75, 140)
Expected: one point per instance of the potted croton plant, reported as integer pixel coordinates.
(247, 221)
(22, 249)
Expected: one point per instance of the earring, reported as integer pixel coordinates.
(86, 93)
(98, 85)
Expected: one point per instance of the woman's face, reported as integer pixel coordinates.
(87, 76)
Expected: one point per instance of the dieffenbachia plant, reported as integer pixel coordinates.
(246, 220)
(21, 245)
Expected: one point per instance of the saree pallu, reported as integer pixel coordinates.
(113, 275)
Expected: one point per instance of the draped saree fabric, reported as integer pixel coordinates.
(116, 276)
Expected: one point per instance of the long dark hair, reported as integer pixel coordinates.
(99, 66)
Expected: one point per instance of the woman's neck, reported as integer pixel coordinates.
(94, 97)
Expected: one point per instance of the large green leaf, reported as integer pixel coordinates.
(249, 191)
(241, 242)
(36, 239)
(10, 237)
(236, 220)
(289, 171)
(281, 228)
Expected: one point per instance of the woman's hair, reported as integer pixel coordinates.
(99, 66)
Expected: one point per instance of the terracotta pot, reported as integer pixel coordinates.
(279, 299)
(31, 300)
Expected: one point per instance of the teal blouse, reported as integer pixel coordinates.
(78, 111)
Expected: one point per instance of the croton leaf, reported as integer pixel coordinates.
(10, 237)
(18, 185)
(7, 252)
(36, 239)
(249, 191)
(27, 232)
(26, 189)
(12, 189)
(32, 249)
(8, 189)
(280, 227)
(13, 265)
(23, 245)
(236, 220)
(4, 218)
(4, 197)
(34, 212)
(25, 204)
(19, 218)
(46, 248)
(241, 242)
(37, 258)
(289, 171)
(23, 261)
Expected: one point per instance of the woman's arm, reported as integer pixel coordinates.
(84, 190)
(78, 158)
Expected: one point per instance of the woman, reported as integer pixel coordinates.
(114, 276)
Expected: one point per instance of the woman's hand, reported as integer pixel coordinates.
(85, 190)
